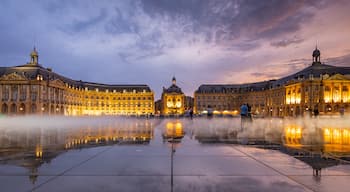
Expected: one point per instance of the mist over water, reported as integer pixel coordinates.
(269, 129)
(198, 124)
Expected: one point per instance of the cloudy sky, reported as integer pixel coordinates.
(198, 41)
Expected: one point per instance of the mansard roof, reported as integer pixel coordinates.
(31, 72)
(234, 88)
(314, 71)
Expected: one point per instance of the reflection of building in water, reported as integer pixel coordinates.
(332, 140)
(33, 147)
(174, 130)
(292, 135)
(318, 86)
(336, 139)
(320, 148)
(33, 89)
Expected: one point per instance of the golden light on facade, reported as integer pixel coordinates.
(336, 96)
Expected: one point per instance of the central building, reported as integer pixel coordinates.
(173, 100)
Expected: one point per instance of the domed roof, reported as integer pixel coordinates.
(173, 88)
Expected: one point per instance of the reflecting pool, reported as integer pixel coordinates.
(139, 154)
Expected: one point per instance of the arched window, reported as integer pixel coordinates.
(22, 109)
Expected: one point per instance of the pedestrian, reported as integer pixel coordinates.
(249, 114)
(191, 113)
(316, 112)
(244, 115)
(209, 112)
(342, 111)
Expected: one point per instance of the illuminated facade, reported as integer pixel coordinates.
(33, 89)
(173, 100)
(318, 87)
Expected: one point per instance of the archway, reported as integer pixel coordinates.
(22, 109)
(13, 109)
(62, 110)
(52, 110)
(336, 108)
(4, 109)
(297, 111)
(44, 109)
(33, 109)
(328, 108)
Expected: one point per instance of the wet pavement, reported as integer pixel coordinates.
(171, 155)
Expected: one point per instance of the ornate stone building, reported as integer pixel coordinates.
(33, 89)
(173, 100)
(319, 86)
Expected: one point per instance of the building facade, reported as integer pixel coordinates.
(173, 100)
(33, 89)
(320, 87)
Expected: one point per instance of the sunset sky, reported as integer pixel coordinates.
(199, 41)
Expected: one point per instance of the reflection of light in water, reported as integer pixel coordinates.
(38, 151)
(327, 139)
(336, 139)
(174, 129)
(292, 135)
(336, 136)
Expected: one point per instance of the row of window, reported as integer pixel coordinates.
(211, 97)
(119, 98)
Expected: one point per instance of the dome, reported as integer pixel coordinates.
(173, 89)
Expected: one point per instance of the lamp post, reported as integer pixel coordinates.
(172, 160)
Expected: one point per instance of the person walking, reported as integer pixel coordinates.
(244, 115)
(191, 113)
(316, 112)
(341, 111)
(249, 114)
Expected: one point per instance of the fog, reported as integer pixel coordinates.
(217, 126)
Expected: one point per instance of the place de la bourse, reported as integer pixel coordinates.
(34, 89)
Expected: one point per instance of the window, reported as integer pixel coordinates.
(23, 93)
(5, 92)
(14, 92)
(34, 96)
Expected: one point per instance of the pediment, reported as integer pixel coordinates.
(57, 82)
(337, 77)
(13, 77)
